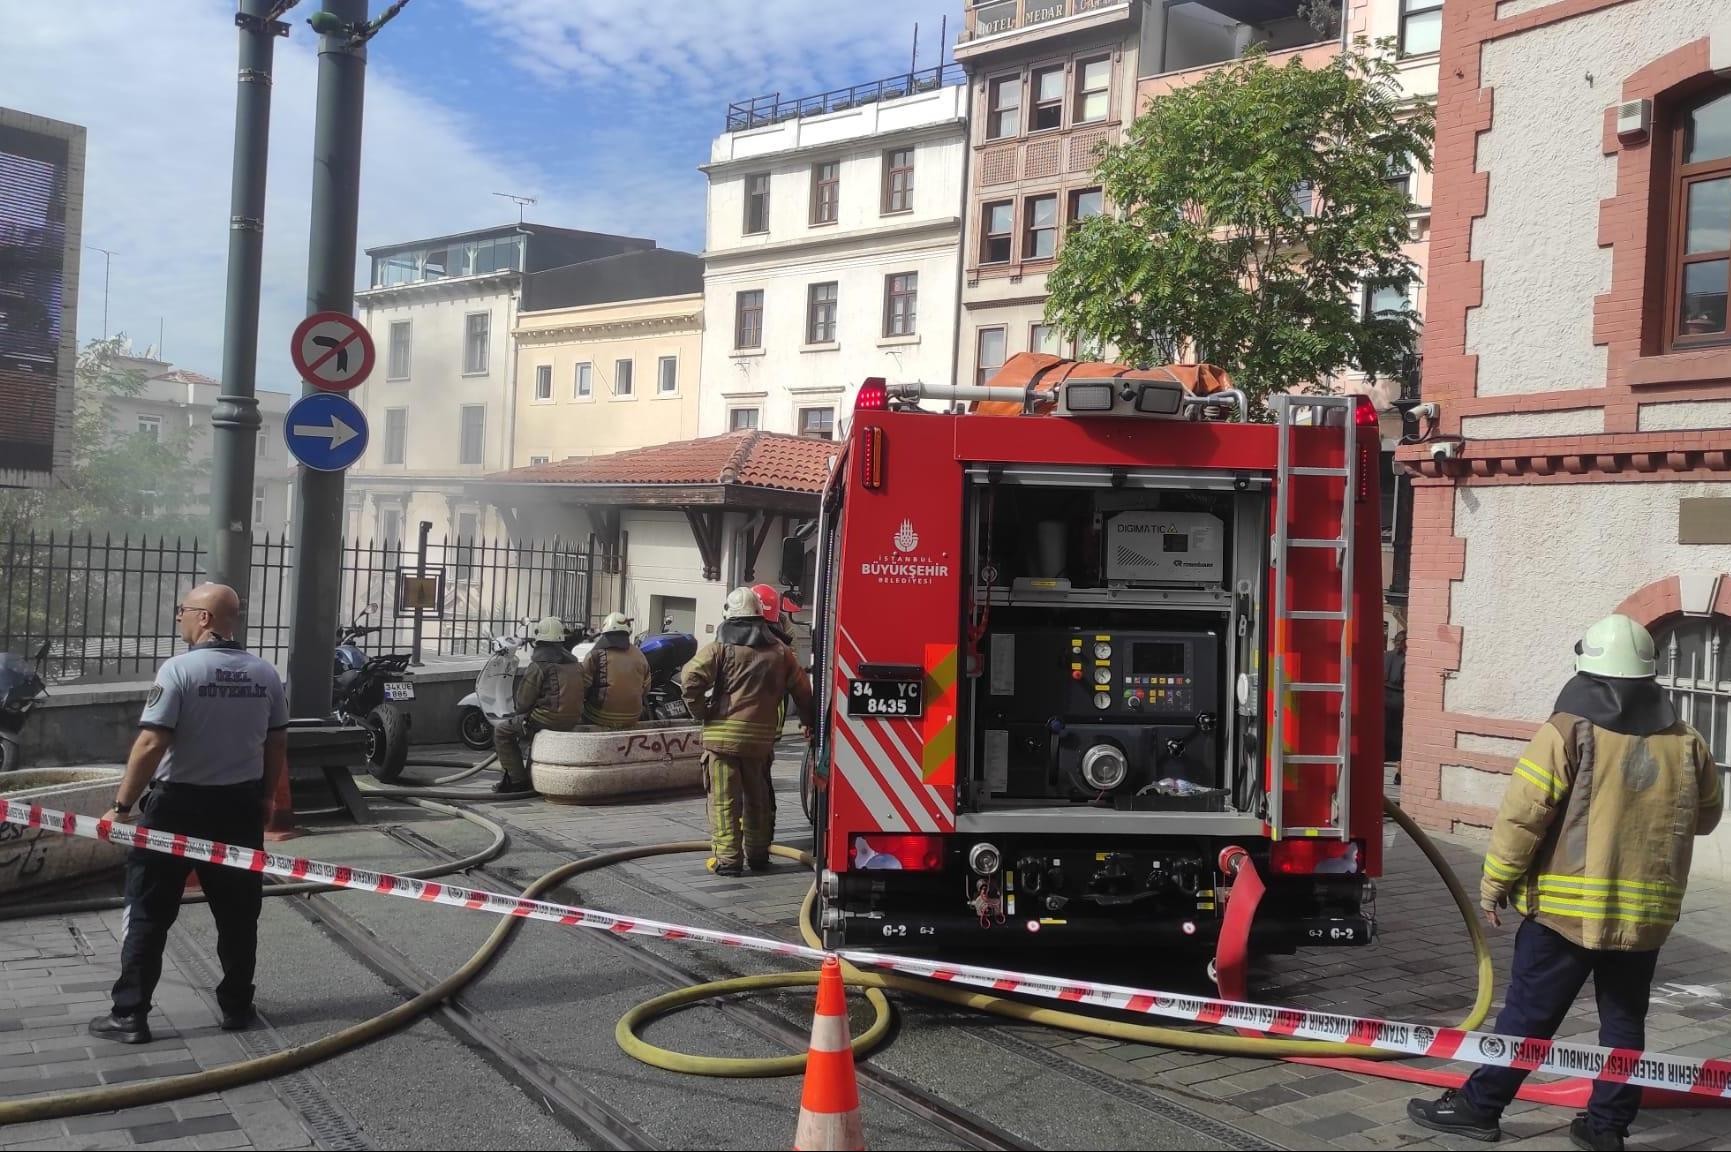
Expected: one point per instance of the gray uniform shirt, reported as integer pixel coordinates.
(219, 701)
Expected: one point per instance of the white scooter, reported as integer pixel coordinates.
(494, 697)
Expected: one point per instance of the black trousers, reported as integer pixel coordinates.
(155, 881)
(1549, 971)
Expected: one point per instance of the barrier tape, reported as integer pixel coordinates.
(1709, 1077)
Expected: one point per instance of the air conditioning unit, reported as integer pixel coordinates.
(1634, 120)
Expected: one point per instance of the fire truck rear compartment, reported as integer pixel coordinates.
(1113, 613)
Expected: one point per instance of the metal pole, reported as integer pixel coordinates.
(235, 418)
(330, 287)
(420, 571)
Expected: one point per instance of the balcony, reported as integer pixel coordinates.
(1200, 34)
(991, 24)
(773, 108)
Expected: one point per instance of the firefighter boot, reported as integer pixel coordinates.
(721, 786)
(1452, 1114)
(510, 752)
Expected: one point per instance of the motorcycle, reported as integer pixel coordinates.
(495, 686)
(366, 690)
(20, 688)
(668, 653)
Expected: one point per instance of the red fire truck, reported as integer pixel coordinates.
(1076, 661)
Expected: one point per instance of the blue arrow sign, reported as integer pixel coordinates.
(325, 431)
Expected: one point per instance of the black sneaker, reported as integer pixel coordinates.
(121, 1029)
(240, 1020)
(1583, 1135)
(1453, 1115)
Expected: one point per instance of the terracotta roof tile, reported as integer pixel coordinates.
(754, 459)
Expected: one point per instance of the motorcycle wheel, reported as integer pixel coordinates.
(475, 729)
(387, 742)
(11, 756)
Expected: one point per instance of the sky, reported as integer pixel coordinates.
(602, 111)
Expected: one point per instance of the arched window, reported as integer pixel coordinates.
(1695, 671)
(1699, 279)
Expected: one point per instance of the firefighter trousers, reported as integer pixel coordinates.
(232, 814)
(510, 737)
(741, 807)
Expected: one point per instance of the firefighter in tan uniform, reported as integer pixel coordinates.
(549, 694)
(615, 676)
(1592, 847)
(734, 687)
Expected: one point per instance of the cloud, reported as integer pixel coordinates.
(154, 83)
(692, 51)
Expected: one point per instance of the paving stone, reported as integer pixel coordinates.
(183, 1129)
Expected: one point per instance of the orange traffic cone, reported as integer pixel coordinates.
(829, 1108)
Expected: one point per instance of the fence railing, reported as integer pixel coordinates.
(773, 108)
(105, 607)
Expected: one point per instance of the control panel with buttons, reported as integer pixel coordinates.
(1141, 672)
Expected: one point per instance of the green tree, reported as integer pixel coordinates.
(120, 481)
(1251, 207)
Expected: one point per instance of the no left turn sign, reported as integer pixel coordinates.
(332, 351)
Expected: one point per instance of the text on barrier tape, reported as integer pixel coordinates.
(1703, 1077)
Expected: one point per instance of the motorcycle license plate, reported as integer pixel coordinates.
(399, 690)
(885, 699)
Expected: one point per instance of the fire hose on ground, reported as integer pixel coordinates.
(1335, 1055)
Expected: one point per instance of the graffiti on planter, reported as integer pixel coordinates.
(669, 745)
(23, 849)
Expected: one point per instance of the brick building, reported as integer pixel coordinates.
(1576, 344)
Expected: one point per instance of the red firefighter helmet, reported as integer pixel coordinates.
(774, 603)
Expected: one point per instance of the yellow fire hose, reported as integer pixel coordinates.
(84, 1101)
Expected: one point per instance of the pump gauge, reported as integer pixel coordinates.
(1102, 700)
(1102, 651)
(1102, 675)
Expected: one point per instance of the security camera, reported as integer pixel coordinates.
(1444, 450)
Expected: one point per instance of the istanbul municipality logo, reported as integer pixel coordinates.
(904, 565)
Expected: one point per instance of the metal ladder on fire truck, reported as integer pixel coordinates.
(1311, 412)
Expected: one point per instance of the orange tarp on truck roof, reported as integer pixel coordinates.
(1045, 372)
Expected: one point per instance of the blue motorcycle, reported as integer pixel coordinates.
(366, 690)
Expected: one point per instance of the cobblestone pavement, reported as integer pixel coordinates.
(55, 972)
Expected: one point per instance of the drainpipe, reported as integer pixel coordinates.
(510, 445)
(962, 216)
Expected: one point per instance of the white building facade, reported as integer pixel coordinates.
(442, 402)
(833, 252)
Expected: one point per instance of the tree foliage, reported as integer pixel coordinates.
(1249, 210)
(120, 480)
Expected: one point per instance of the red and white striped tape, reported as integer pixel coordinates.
(1710, 1078)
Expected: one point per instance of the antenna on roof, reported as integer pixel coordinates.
(520, 201)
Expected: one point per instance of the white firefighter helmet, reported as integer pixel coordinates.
(741, 602)
(551, 630)
(616, 622)
(1617, 647)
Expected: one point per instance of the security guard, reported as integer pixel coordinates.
(615, 676)
(734, 687)
(1592, 846)
(210, 752)
(548, 695)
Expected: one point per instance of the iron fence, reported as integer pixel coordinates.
(773, 108)
(105, 607)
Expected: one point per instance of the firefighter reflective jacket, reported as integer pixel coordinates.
(1597, 828)
(616, 679)
(734, 687)
(551, 689)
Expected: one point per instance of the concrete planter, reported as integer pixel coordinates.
(36, 858)
(594, 765)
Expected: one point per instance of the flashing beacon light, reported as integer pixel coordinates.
(873, 396)
(1364, 413)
